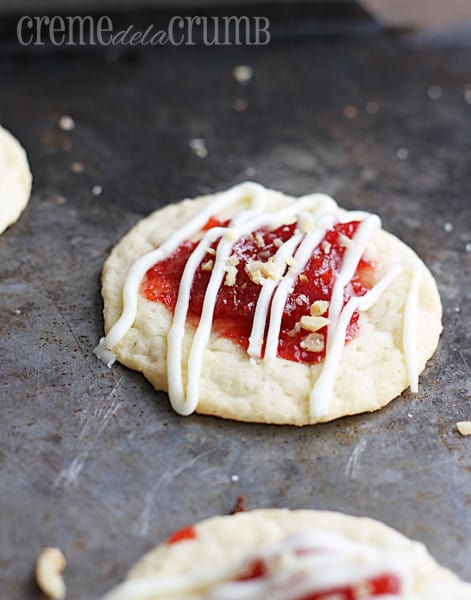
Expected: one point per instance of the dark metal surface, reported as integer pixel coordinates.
(93, 460)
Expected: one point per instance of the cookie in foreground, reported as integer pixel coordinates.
(257, 306)
(15, 179)
(289, 555)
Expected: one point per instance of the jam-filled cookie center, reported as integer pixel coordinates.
(303, 332)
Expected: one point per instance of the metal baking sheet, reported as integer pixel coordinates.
(94, 460)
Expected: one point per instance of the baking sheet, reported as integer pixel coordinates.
(93, 460)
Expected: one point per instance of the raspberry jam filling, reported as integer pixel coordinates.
(237, 296)
(378, 586)
(186, 533)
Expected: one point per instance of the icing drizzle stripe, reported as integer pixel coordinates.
(323, 387)
(309, 243)
(409, 334)
(349, 265)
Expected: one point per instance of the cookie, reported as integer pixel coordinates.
(289, 555)
(257, 306)
(15, 179)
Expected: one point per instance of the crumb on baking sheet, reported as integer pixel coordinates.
(464, 427)
(372, 107)
(77, 167)
(242, 74)
(448, 227)
(434, 92)
(97, 190)
(198, 145)
(66, 123)
(402, 153)
(240, 104)
(48, 573)
(239, 505)
(350, 111)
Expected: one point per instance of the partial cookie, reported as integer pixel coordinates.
(310, 313)
(15, 179)
(289, 555)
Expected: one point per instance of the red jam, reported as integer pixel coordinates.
(385, 584)
(186, 533)
(235, 304)
(257, 569)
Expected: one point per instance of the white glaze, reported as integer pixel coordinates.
(322, 390)
(350, 262)
(409, 334)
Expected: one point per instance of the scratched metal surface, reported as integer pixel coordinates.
(93, 460)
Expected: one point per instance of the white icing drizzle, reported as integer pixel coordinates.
(301, 257)
(302, 563)
(182, 403)
(177, 330)
(273, 294)
(350, 262)
(319, 205)
(409, 333)
(321, 393)
(260, 317)
(144, 263)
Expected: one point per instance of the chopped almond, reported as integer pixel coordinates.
(302, 299)
(259, 241)
(231, 271)
(258, 271)
(319, 307)
(464, 427)
(326, 246)
(313, 323)
(49, 566)
(208, 265)
(314, 342)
